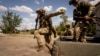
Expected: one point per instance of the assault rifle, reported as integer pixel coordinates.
(92, 19)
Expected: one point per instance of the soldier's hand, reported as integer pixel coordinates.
(62, 10)
(87, 17)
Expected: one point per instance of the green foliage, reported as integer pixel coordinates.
(10, 22)
(62, 26)
(91, 29)
(32, 31)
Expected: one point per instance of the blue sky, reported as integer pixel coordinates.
(26, 9)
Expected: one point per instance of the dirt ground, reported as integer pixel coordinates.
(20, 45)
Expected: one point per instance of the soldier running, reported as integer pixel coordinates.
(45, 27)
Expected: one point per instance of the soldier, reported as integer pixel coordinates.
(45, 27)
(82, 13)
(68, 31)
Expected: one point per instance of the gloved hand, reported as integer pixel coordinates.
(62, 10)
(87, 17)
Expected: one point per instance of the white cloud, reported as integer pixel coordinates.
(94, 2)
(48, 8)
(22, 9)
(26, 24)
(61, 8)
(3, 8)
(37, 2)
(33, 15)
(70, 19)
(56, 21)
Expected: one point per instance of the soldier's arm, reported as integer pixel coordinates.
(91, 9)
(90, 6)
(55, 13)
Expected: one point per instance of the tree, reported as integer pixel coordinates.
(10, 21)
(64, 17)
(91, 29)
(61, 28)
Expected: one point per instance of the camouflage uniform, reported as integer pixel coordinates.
(82, 9)
(45, 27)
(68, 31)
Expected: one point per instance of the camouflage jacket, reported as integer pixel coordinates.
(45, 20)
(84, 8)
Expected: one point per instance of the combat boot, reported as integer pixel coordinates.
(49, 46)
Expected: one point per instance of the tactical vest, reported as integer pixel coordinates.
(83, 9)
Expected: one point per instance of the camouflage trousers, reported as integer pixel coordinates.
(42, 37)
(80, 29)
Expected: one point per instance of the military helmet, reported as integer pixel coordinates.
(68, 25)
(41, 10)
(73, 1)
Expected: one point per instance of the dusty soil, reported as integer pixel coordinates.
(20, 45)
